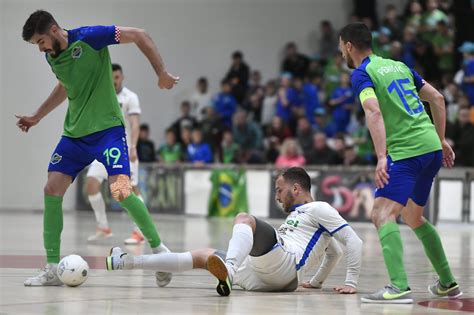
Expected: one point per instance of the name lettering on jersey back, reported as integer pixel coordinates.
(389, 69)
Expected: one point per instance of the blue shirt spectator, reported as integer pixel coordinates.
(198, 151)
(467, 49)
(307, 96)
(287, 98)
(342, 100)
(225, 104)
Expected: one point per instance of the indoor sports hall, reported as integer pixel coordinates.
(179, 115)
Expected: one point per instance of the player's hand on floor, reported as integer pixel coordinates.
(345, 289)
(26, 122)
(167, 80)
(448, 154)
(381, 175)
(308, 285)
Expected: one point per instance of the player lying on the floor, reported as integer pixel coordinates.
(259, 258)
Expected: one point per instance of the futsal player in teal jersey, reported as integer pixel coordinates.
(94, 124)
(391, 95)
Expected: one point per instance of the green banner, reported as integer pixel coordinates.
(228, 193)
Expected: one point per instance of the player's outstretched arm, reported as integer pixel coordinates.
(438, 110)
(145, 43)
(57, 96)
(331, 258)
(353, 254)
(377, 131)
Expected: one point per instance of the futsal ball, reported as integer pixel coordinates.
(73, 270)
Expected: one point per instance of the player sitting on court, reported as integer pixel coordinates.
(260, 258)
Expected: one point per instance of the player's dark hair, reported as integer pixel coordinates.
(297, 175)
(116, 67)
(358, 34)
(39, 22)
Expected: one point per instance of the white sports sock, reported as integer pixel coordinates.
(165, 262)
(160, 249)
(98, 205)
(239, 248)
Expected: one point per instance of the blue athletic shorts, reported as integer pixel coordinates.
(411, 178)
(108, 146)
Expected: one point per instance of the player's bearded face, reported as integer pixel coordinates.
(56, 48)
(345, 54)
(288, 201)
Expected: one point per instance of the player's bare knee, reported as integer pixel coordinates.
(120, 189)
(245, 218)
(50, 190)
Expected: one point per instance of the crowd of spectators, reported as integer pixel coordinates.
(310, 115)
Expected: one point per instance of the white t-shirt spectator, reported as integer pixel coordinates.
(268, 108)
(199, 102)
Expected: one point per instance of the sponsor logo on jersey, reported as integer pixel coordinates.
(76, 52)
(56, 158)
(117, 166)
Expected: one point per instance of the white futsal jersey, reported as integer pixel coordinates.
(130, 105)
(307, 231)
(308, 244)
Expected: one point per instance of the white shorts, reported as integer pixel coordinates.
(274, 271)
(98, 171)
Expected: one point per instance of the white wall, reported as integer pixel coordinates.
(195, 37)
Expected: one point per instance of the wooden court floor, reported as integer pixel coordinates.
(135, 292)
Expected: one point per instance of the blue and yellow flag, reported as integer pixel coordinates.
(229, 193)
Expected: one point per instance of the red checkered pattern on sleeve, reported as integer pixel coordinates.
(117, 34)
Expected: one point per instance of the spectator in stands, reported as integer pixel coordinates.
(338, 144)
(304, 134)
(413, 14)
(362, 139)
(255, 86)
(184, 121)
(426, 61)
(430, 19)
(238, 76)
(443, 44)
(307, 97)
(287, 104)
(467, 49)
(351, 157)
(294, 62)
(212, 128)
(408, 46)
(225, 103)
(463, 137)
(452, 94)
(254, 107)
(200, 99)
(170, 152)
(229, 149)
(321, 123)
(291, 154)
(342, 102)
(186, 140)
(328, 41)
(396, 52)
(393, 22)
(321, 154)
(145, 147)
(248, 136)
(269, 103)
(272, 149)
(278, 129)
(199, 152)
(332, 73)
(381, 42)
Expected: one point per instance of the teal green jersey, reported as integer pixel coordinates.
(85, 71)
(409, 130)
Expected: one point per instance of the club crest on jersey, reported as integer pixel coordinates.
(76, 52)
(56, 158)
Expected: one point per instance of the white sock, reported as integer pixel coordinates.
(160, 249)
(98, 205)
(240, 246)
(165, 262)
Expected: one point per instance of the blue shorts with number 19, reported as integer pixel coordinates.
(108, 146)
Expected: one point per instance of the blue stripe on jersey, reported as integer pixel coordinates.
(312, 242)
(332, 233)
